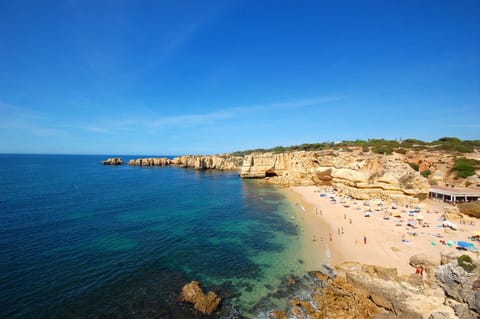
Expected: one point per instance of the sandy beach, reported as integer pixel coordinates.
(338, 231)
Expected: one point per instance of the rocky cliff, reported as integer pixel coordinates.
(218, 162)
(365, 291)
(362, 176)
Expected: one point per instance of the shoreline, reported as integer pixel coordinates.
(389, 242)
(314, 253)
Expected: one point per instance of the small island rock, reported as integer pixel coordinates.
(113, 161)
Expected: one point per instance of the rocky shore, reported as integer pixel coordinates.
(219, 162)
(357, 291)
(366, 291)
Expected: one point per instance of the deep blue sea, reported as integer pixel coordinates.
(82, 240)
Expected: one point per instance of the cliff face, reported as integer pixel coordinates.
(219, 162)
(362, 176)
(366, 291)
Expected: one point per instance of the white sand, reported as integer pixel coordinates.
(384, 245)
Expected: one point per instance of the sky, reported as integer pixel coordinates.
(208, 77)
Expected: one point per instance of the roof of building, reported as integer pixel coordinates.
(455, 191)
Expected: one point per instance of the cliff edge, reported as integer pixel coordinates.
(361, 176)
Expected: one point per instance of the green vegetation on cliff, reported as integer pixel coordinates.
(466, 263)
(379, 146)
(465, 167)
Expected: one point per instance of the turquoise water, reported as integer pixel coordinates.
(82, 240)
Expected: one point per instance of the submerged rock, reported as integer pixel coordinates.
(205, 303)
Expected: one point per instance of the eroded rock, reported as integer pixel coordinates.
(361, 176)
(113, 161)
(205, 303)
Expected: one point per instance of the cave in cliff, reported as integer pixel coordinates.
(270, 173)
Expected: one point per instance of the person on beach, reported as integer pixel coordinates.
(365, 240)
(313, 238)
(341, 228)
(350, 220)
(330, 235)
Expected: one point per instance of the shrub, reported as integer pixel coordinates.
(425, 173)
(466, 263)
(465, 167)
(470, 209)
(400, 151)
(414, 166)
(382, 149)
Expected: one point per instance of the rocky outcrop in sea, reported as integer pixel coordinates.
(219, 162)
(113, 161)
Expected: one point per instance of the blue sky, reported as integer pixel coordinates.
(202, 77)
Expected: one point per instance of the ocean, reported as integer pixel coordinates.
(82, 240)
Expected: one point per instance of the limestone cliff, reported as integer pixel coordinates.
(366, 291)
(218, 162)
(150, 162)
(362, 176)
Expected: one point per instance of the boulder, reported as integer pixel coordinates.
(205, 303)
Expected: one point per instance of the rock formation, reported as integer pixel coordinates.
(163, 161)
(218, 162)
(205, 303)
(462, 289)
(365, 291)
(361, 176)
(113, 161)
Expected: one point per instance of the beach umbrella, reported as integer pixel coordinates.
(476, 233)
(419, 217)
